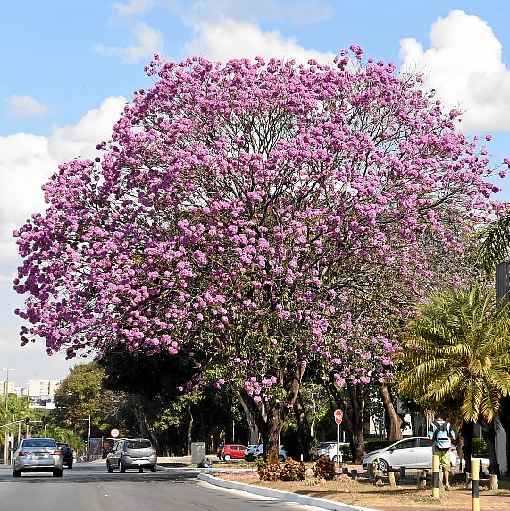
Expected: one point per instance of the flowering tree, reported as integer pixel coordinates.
(242, 210)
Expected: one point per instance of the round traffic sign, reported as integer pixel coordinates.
(114, 432)
(339, 415)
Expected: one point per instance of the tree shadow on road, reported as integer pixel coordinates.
(81, 476)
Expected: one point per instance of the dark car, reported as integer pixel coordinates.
(68, 454)
(108, 446)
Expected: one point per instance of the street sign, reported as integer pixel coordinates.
(114, 432)
(339, 415)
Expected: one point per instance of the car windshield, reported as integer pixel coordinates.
(138, 444)
(39, 442)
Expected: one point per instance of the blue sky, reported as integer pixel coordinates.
(69, 66)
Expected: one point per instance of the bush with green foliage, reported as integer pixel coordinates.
(292, 470)
(324, 468)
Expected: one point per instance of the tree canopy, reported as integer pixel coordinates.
(243, 210)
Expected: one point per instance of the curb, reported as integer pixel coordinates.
(286, 496)
(210, 470)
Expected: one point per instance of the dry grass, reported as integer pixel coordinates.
(404, 498)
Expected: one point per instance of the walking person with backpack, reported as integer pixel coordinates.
(442, 435)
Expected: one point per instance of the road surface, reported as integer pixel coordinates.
(88, 487)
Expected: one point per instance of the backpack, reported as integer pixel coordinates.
(442, 435)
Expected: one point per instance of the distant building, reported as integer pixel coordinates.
(10, 386)
(43, 388)
(42, 393)
(21, 391)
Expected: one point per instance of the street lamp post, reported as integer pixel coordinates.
(6, 397)
(6, 384)
(88, 441)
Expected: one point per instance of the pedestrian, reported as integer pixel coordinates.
(442, 435)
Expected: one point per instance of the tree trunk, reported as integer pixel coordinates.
(270, 417)
(303, 429)
(467, 434)
(394, 421)
(357, 404)
(493, 461)
(419, 424)
(250, 420)
(504, 417)
(271, 434)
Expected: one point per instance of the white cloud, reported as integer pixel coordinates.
(465, 67)
(294, 11)
(231, 39)
(132, 7)
(148, 42)
(81, 138)
(27, 160)
(21, 107)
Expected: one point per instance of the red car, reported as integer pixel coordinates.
(233, 452)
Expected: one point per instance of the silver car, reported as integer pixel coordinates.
(413, 452)
(38, 455)
(132, 453)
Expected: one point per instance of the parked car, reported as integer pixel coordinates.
(38, 455)
(413, 452)
(233, 452)
(329, 449)
(68, 454)
(256, 451)
(132, 453)
(108, 444)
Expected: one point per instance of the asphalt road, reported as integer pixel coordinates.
(88, 487)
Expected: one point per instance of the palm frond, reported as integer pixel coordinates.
(494, 243)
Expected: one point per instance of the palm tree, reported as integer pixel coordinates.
(458, 350)
(494, 243)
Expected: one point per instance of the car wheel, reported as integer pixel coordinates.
(153, 468)
(16, 473)
(58, 473)
(109, 468)
(383, 466)
(227, 457)
(122, 468)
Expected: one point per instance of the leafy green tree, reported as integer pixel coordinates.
(82, 394)
(17, 409)
(458, 350)
(68, 436)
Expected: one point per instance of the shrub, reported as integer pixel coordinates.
(324, 468)
(269, 471)
(292, 470)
